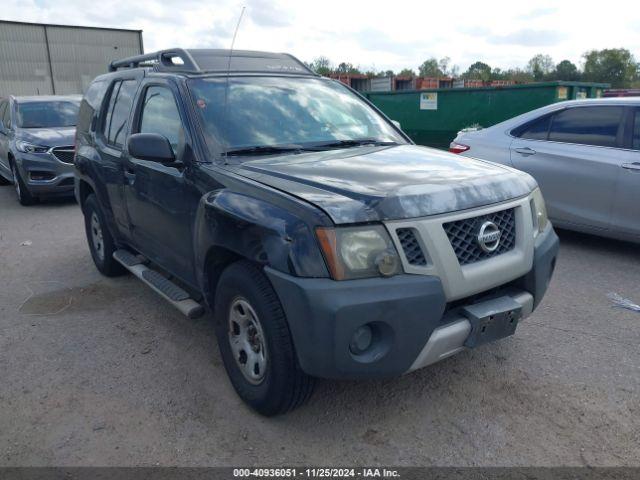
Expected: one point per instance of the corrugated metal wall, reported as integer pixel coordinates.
(77, 55)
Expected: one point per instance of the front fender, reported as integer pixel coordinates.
(257, 230)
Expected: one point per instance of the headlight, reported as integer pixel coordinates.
(26, 147)
(358, 252)
(538, 212)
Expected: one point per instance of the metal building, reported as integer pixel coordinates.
(43, 59)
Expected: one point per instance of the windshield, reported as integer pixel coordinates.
(273, 111)
(48, 114)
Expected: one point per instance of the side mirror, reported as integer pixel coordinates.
(397, 124)
(150, 146)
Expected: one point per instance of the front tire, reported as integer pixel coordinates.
(22, 191)
(100, 241)
(255, 343)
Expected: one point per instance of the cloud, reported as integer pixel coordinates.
(539, 12)
(266, 13)
(528, 38)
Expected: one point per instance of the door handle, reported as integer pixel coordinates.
(526, 151)
(631, 166)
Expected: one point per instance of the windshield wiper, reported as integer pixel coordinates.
(264, 150)
(357, 142)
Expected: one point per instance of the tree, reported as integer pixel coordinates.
(478, 71)
(321, 65)
(407, 72)
(566, 70)
(430, 68)
(540, 66)
(389, 73)
(347, 68)
(612, 65)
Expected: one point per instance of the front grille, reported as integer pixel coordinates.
(463, 235)
(64, 154)
(411, 247)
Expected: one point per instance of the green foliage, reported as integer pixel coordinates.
(407, 72)
(540, 66)
(321, 65)
(478, 71)
(430, 68)
(613, 65)
(565, 70)
(616, 66)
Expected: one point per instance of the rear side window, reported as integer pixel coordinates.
(90, 105)
(587, 126)
(635, 143)
(118, 110)
(535, 130)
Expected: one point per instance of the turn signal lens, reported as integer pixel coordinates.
(538, 212)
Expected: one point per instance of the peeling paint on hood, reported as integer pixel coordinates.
(364, 184)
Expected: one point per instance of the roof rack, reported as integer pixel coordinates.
(215, 61)
(173, 59)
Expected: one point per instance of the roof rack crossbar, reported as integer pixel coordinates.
(163, 58)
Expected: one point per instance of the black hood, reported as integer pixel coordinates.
(48, 137)
(365, 184)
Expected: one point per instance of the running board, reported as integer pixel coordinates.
(164, 287)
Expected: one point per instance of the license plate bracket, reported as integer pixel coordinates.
(492, 320)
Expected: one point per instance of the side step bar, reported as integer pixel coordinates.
(168, 290)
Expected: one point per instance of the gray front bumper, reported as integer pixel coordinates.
(414, 330)
(62, 179)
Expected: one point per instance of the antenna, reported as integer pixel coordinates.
(226, 87)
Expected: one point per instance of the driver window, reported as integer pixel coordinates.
(160, 115)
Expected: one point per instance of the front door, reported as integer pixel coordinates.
(160, 202)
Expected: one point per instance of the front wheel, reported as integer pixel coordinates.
(101, 243)
(22, 191)
(255, 342)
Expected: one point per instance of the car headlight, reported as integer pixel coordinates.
(538, 212)
(26, 147)
(358, 252)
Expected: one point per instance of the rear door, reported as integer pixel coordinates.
(160, 201)
(626, 212)
(574, 156)
(110, 143)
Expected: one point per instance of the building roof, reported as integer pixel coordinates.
(70, 26)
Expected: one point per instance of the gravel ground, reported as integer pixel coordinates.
(99, 371)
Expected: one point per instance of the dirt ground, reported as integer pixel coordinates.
(98, 371)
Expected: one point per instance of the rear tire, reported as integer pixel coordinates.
(22, 191)
(269, 379)
(101, 244)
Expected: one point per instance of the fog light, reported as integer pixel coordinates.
(361, 340)
(41, 175)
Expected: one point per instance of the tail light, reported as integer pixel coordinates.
(455, 147)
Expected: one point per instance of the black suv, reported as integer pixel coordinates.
(325, 243)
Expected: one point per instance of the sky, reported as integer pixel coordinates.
(372, 35)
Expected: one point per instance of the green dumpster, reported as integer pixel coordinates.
(434, 117)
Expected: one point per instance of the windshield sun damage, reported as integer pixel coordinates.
(47, 114)
(264, 113)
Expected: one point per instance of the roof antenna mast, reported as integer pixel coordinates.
(226, 87)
